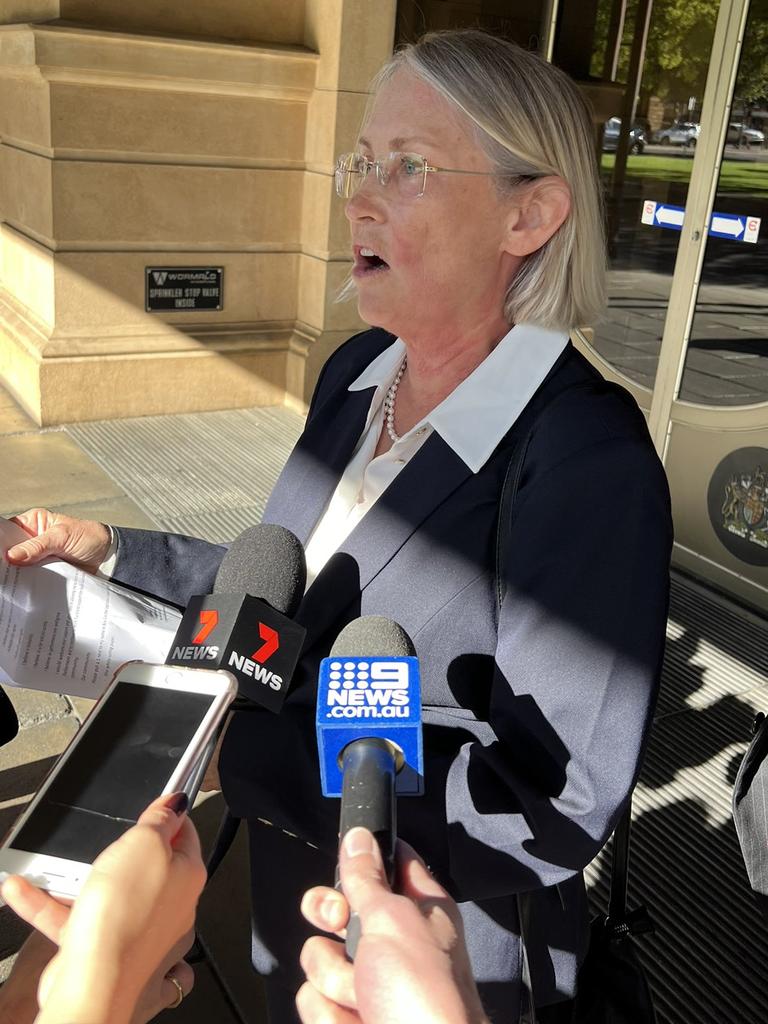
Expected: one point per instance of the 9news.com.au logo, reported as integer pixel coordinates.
(365, 688)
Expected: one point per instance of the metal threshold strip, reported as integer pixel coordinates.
(708, 958)
(207, 474)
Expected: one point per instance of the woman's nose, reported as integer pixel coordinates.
(368, 203)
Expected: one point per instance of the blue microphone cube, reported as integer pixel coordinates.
(361, 697)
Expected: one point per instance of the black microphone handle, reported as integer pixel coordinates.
(369, 767)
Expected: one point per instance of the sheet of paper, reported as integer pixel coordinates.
(65, 631)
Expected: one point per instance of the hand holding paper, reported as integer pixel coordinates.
(65, 631)
(44, 534)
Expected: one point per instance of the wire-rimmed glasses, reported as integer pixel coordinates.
(407, 172)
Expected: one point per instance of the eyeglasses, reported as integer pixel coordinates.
(406, 171)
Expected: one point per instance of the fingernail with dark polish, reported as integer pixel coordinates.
(178, 803)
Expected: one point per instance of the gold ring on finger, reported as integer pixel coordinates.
(179, 992)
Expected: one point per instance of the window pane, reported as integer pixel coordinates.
(647, 191)
(727, 358)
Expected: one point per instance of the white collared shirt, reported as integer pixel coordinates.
(472, 420)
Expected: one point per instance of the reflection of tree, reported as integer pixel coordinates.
(752, 78)
(677, 57)
(678, 49)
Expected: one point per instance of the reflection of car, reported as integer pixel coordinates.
(612, 130)
(740, 135)
(679, 133)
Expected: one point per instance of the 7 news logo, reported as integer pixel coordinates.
(367, 688)
(270, 643)
(198, 650)
(252, 666)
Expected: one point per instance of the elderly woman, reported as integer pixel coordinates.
(475, 217)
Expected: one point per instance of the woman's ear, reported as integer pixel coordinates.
(536, 212)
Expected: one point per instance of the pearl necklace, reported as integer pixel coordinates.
(389, 402)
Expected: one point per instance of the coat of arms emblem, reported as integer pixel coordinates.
(745, 508)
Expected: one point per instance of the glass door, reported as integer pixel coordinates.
(657, 54)
(717, 438)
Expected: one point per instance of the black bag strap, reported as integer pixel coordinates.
(617, 904)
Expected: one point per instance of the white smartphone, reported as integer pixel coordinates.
(149, 734)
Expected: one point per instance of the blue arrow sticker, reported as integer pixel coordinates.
(735, 226)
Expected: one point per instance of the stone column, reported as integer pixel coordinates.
(353, 40)
(185, 135)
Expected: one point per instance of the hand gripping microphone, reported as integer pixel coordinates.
(245, 625)
(369, 731)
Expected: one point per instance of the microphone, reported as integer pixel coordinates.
(369, 732)
(245, 625)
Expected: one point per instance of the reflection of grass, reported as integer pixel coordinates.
(735, 175)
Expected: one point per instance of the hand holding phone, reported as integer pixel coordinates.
(148, 735)
(129, 926)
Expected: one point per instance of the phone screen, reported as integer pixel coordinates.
(122, 762)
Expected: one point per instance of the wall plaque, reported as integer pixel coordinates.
(183, 289)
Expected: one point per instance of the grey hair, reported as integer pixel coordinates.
(531, 121)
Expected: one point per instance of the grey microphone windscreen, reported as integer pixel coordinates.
(373, 636)
(266, 561)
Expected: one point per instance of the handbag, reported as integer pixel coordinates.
(612, 986)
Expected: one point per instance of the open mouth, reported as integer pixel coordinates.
(368, 262)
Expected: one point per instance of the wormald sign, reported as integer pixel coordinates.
(183, 289)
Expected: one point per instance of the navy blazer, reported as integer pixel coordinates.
(535, 718)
